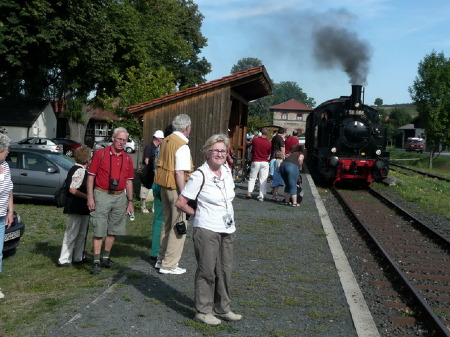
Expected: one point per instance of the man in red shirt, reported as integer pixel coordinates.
(109, 196)
(291, 141)
(261, 151)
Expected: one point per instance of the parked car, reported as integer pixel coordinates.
(13, 234)
(129, 147)
(37, 174)
(69, 146)
(38, 143)
(414, 144)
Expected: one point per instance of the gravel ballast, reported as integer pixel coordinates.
(285, 283)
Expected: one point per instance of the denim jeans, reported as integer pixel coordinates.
(2, 238)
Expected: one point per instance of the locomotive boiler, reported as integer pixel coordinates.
(345, 140)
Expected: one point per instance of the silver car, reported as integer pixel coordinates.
(38, 143)
(129, 147)
(37, 174)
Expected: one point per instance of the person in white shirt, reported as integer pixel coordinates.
(214, 229)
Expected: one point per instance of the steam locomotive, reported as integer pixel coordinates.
(345, 141)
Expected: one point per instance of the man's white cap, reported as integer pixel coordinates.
(159, 134)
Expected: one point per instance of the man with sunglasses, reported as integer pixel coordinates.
(109, 196)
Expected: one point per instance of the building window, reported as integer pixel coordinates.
(101, 129)
(284, 116)
(299, 117)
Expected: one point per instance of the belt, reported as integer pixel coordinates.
(109, 192)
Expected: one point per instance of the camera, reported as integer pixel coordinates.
(113, 184)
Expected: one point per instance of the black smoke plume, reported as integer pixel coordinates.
(337, 46)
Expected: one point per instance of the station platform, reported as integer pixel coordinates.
(290, 278)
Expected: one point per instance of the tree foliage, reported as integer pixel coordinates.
(246, 63)
(431, 95)
(76, 51)
(378, 102)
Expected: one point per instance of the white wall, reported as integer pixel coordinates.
(16, 133)
(45, 125)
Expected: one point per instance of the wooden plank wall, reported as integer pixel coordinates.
(209, 111)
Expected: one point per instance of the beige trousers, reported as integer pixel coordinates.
(171, 243)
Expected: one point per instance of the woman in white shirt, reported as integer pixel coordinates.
(214, 229)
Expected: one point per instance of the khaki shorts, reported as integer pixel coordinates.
(109, 217)
(146, 193)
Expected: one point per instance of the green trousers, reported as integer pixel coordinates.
(157, 221)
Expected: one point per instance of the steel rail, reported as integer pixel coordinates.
(425, 311)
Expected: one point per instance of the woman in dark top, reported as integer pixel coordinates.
(78, 213)
(290, 171)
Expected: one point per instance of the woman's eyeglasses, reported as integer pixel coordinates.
(217, 151)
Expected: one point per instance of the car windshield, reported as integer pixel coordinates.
(61, 159)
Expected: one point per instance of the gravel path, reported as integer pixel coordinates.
(285, 283)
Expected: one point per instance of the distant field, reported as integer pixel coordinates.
(411, 108)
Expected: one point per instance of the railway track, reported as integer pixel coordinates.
(414, 257)
(394, 166)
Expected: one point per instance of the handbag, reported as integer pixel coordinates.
(180, 226)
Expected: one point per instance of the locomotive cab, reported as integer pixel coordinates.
(346, 141)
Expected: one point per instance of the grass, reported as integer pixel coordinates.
(35, 287)
(430, 194)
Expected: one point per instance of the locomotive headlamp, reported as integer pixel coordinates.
(363, 153)
(378, 152)
(334, 161)
(333, 150)
(357, 105)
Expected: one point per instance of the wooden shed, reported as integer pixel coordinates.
(219, 106)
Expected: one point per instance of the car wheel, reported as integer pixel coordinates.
(69, 153)
(129, 149)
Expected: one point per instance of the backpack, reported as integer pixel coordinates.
(61, 195)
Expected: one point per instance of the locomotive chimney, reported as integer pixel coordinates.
(356, 99)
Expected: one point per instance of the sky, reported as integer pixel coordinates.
(327, 45)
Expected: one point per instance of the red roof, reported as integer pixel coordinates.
(292, 104)
(209, 85)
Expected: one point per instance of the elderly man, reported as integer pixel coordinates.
(109, 196)
(172, 170)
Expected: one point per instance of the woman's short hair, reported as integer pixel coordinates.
(181, 122)
(217, 138)
(4, 142)
(82, 155)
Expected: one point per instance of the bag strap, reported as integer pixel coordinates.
(203, 183)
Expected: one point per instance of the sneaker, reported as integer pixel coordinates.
(145, 210)
(248, 196)
(174, 271)
(259, 198)
(96, 268)
(229, 316)
(158, 264)
(2, 295)
(108, 263)
(209, 319)
(67, 264)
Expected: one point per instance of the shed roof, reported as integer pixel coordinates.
(291, 104)
(251, 84)
(20, 112)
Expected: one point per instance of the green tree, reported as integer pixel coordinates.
(287, 90)
(378, 102)
(431, 95)
(72, 51)
(138, 85)
(246, 63)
